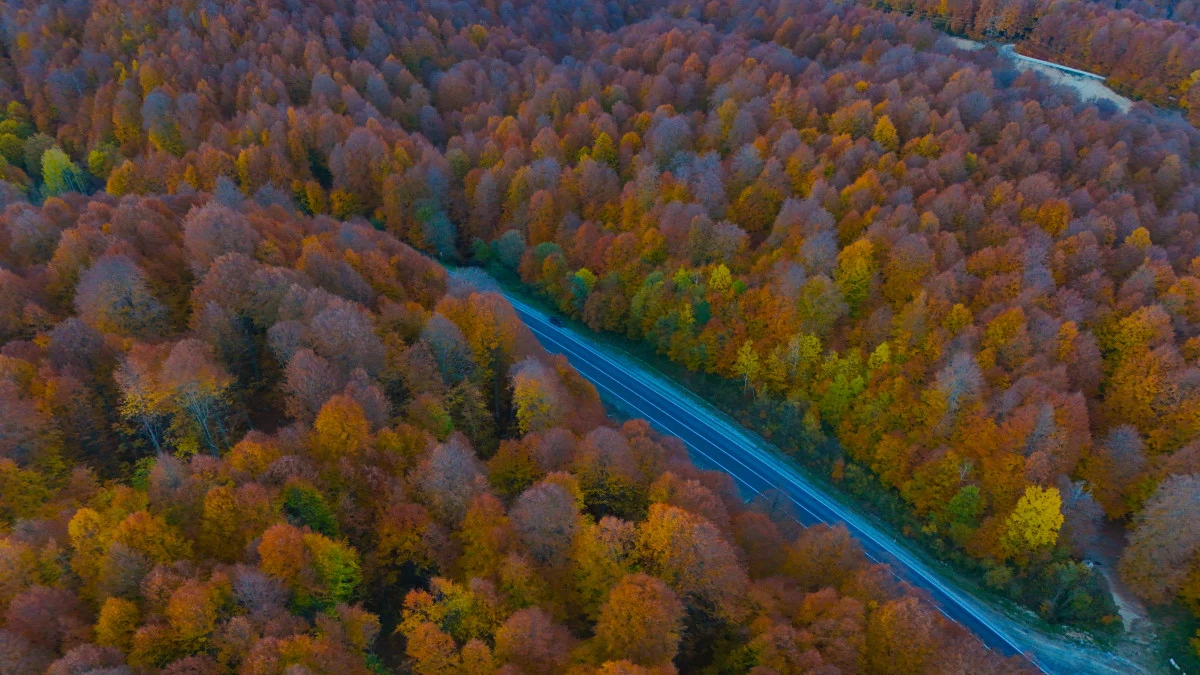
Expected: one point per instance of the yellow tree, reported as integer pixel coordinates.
(340, 430)
(720, 279)
(693, 557)
(641, 622)
(116, 623)
(432, 651)
(605, 151)
(219, 524)
(747, 363)
(483, 536)
(1034, 524)
(900, 638)
(600, 558)
(489, 326)
(854, 273)
(885, 134)
(1006, 336)
(192, 613)
(153, 537)
(535, 397)
(144, 401)
(232, 517)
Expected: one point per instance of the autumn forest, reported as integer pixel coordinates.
(249, 423)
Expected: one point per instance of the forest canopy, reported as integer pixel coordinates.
(293, 444)
(967, 296)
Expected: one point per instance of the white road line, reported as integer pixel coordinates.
(733, 474)
(783, 472)
(682, 424)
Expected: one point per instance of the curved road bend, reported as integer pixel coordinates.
(720, 444)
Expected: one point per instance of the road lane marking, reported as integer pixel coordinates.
(770, 463)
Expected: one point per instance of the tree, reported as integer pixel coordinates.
(756, 207)
(282, 555)
(477, 658)
(340, 430)
(909, 262)
(488, 323)
(12, 303)
(336, 568)
(545, 518)
(1033, 525)
(50, 618)
(309, 382)
(86, 658)
(1120, 462)
(199, 389)
(158, 120)
(432, 651)
(960, 381)
(885, 134)
(359, 167)
(720, 279)
(449, 348)
(344, 334)
(605, 151)
(601, 555)
(60, 173)
(690, 554)
(465, 612)
(901, 638)
(192, 614)
(144, 398)
(1081, 516)
(213, 230)
(820, 305)
(153, 537)
(484, 537)
(113, 296)
(536, 396)
(370, 397)
(510, 247)
(513, 468)
(530, 640)
(450, 478)
(319, 571)
(855, 273)
(1163, 543)
(1007, 337)
(641, 622)
(823, 556)
(116, 623)
(747, 364)
(36, 147)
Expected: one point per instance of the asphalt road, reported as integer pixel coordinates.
(717, 443)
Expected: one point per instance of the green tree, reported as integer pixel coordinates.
(35, 148)
(304, 505)
(337, 569)
(101, 160)
(604, 151)
(60, 173)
